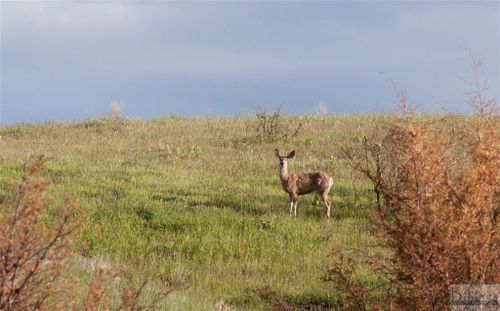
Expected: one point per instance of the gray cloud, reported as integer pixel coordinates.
(66, 61)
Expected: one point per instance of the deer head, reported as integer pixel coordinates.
(283, 159)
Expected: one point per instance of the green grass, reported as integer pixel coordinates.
(200, 201)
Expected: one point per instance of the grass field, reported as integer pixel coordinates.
(199, 201)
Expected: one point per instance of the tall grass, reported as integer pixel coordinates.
(36, 256)
(199, 202)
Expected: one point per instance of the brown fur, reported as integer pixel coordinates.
(299, 184)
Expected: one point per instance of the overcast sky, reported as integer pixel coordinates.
(65, 61)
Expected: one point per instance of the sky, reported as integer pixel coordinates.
(68, 61)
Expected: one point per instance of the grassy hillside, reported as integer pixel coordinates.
(200, 201)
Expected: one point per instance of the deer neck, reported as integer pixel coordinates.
(284, 172)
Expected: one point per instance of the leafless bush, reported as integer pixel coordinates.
(272, 125)
(357, 294)
(437, 210)
(322, 110)
(117, 112)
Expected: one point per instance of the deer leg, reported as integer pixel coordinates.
(327, 205)
(291, 206)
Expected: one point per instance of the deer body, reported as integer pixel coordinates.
(299, 184)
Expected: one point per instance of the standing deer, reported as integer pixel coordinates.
(298, 184)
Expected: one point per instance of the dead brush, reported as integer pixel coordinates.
(436, 212)
(35, 258)
(32, 256)
(272, 125)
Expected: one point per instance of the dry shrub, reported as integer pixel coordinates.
(272, 125)
(438, 204)
(35, 255)
(117, 111)
(322, 110)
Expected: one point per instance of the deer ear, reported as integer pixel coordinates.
(277, 152)
(291, 154)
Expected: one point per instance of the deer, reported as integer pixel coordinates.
(299, 184)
